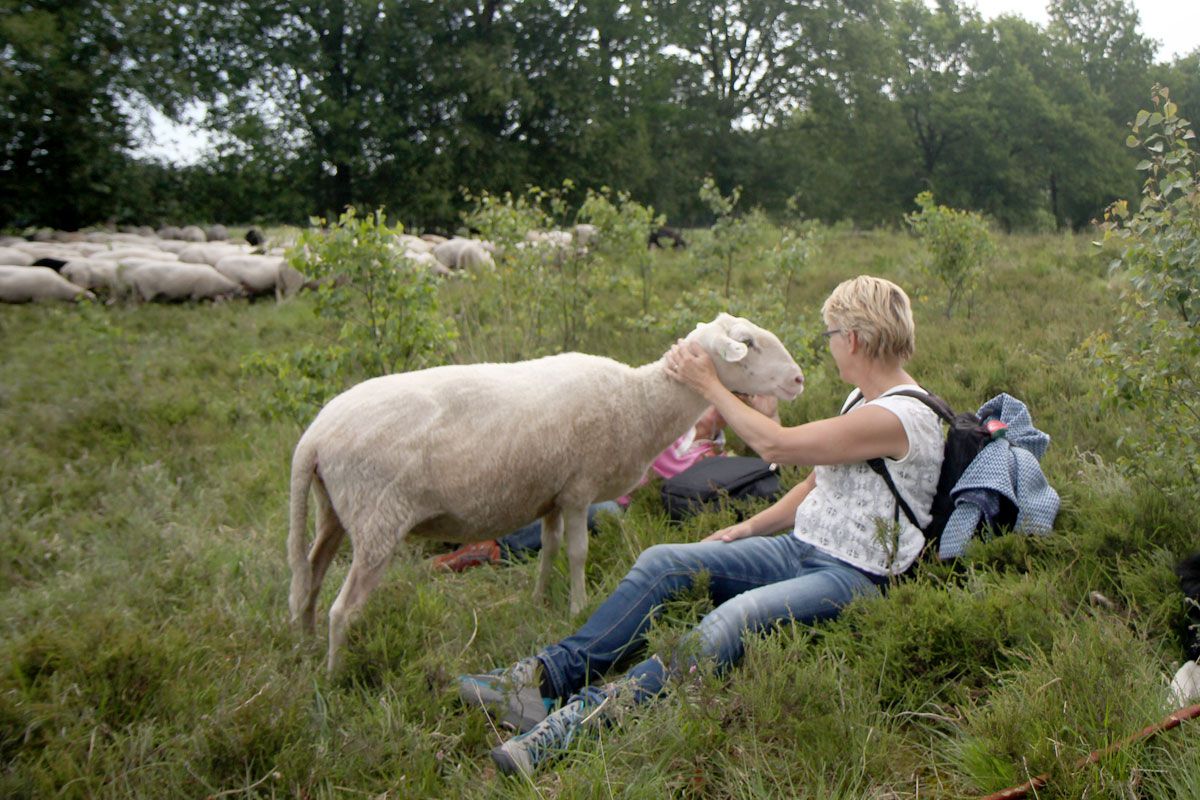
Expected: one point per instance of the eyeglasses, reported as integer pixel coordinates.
(830, 333)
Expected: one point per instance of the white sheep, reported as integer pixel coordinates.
(210, 252)
(427, 260)
(465, 453)
(192, 233)
(259, 275)
(25, 284)
(92, 273)
(585, 233)
(14, 257)
(463, 254)
(175, 280)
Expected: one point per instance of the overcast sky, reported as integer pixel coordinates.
(1175, 24)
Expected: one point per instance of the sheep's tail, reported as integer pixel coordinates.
(304, 466)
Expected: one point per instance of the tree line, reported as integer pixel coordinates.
(834, 110)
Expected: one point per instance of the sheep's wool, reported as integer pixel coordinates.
(849, 513)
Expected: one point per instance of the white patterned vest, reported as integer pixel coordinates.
(851, 513)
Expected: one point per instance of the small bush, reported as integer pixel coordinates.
(959, 243)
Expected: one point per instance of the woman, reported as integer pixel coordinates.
(842, 538)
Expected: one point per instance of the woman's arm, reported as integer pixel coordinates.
(776, 517)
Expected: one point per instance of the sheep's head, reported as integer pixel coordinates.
(749, 359)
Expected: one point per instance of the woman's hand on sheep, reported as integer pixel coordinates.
(741, 530)
(690, 365)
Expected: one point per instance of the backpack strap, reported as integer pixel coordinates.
(935, 404)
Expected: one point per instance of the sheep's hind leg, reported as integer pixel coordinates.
(575, 523)
(551, 539)
(330, 533)
(366, 571)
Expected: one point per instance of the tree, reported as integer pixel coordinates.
(1109, 50)
(65, 133)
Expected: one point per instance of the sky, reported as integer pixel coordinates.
(1175, 24)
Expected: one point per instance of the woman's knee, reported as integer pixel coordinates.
(658, 557)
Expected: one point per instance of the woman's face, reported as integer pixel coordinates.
(839, 346)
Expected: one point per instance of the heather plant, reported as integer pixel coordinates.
(959, 245)
(1150, 358)
(387, 312)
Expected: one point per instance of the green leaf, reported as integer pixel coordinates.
(1142, 116)
(1142, 165)
(1132, 141)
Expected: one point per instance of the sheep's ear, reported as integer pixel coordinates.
(742, 333)
(730, 349)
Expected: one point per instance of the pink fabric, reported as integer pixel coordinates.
(679, 455)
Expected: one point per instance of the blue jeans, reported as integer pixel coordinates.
(528, 540)
(753, 583)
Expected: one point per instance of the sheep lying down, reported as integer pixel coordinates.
(466, 453)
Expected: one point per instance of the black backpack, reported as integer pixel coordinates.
(703, 485)
(967, 435)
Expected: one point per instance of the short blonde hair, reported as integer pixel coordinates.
(879, 312)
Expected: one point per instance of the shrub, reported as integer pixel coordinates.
(1150, 361)
(959, 243)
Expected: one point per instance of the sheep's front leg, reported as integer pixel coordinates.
(575, 523)
(552, 525)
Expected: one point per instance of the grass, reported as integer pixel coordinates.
(143, 582)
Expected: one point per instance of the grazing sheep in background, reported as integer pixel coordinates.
(255, 237)
(258, 275)
(561, 239)
(434, 238)
(93, 273)
(210, 252)
(26, 284)
(169, 232)
(409, 243)
(427, 260)
(663, 233)
(399, 455)
(192, 233)
(55, 264)
(175, 280)
(463, 254)
(13, 257)
(585, 233)
(216, 233)
(123, 253)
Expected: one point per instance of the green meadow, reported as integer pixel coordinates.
(145, 649)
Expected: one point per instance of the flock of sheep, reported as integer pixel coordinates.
(192, 263)
(170, 264)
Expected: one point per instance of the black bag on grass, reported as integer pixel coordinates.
(702, 486)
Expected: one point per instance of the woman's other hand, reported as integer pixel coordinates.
(731, 534)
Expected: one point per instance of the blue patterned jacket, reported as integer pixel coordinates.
(1006, 467)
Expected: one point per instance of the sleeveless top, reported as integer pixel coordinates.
(851, 514)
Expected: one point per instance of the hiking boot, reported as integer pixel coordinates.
(469, 555)
(523, 754)
(513, 695)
